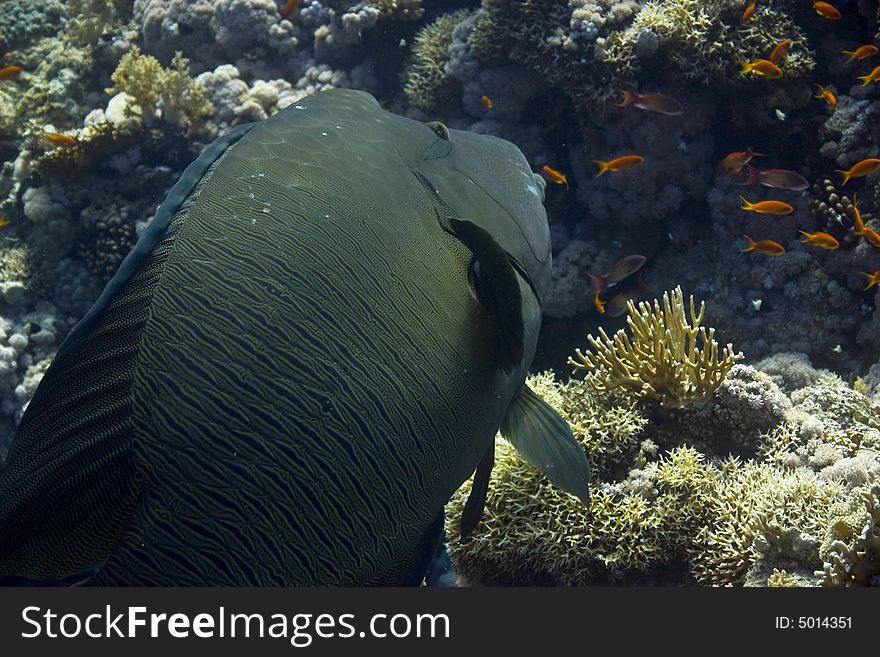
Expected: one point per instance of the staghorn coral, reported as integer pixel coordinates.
(749, 501)
(170, 94)
(670, 358)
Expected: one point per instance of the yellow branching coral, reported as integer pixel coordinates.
(170, 92)
(670, 358)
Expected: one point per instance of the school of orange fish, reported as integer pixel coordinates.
(737, 165)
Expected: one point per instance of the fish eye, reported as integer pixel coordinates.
(439, 129)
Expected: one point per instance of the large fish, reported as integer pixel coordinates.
(309, 349)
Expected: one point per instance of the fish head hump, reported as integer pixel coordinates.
(479, 177)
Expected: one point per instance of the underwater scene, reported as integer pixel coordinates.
(456, 293)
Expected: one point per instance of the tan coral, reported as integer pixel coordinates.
(670, 357)
(851, 550)
(170, 92)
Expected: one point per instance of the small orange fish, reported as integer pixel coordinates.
(873, 76)
(763, 68)
(4, 222)
(767, 207)
(873, 279)
(58, 139)
(618, 163)
(783, 179)
(780, 51)
(487, 102)
(858, 224)
(767, 247)
(9, 72)
(871, 237)
(289, 7)
(827, 95)
(598, 304)
(860, 169)
(749, 13)
(821, 239)
(555, 176)
(626, 266)
(862, 52)
(652, 102)
(732, 163)
(826, 10)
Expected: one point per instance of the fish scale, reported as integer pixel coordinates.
(308, 362)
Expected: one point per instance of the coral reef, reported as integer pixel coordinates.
(155, 92)
(428, 82)
(670, 357)
(756, 488)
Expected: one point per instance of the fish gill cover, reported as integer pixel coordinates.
(104, 103)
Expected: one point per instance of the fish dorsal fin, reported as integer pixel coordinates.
(545, 440)
(473, 507)
(497, 285)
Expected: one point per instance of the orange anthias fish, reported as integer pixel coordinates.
(4, 222)
(598, 304)
(873, 279)
(9, 72)
(732, 164)
(767, 207)
(289, 7)
(58, 139)
(762, 67)
(872, 237)
(652, 102)
(626, 266)
(862, 52)
(555, 176)
(780, 51)
(858, 224)
(749, 13)
(827, 95)
(824, 240)
(873, 76)
(618, 163)
(487, 102)
(860, 169)
(767, 247)
(826, 10)
(783, 179)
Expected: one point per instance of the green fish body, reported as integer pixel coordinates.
(309, 349)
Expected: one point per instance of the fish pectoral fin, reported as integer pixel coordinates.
(545, 440)
(476, 501)
(496, 284)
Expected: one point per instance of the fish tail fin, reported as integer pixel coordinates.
(806, 234)
(845, 175)
(603, 167)
(851, 54)
(745, 67)
(866, 79)
(750, 246)
(628, 99)
(600, 281)
(746, 205)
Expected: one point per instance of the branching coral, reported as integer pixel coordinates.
(170, 93)
(670, 358)
(851, 551)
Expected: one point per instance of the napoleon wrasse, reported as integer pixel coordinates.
(309, 349)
